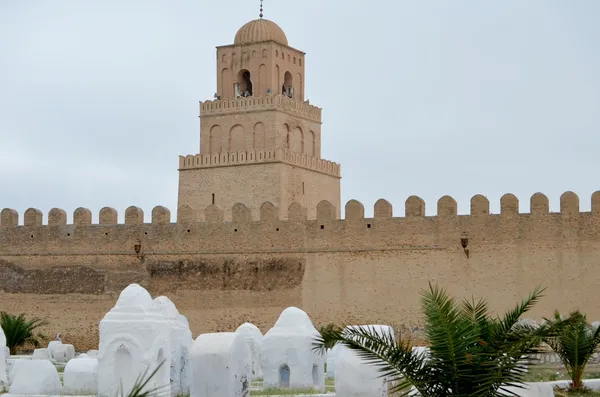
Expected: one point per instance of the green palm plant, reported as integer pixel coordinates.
(471, 353)
(574, 343)
(19, 331)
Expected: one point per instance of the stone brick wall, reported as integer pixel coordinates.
(356, 270)
(254, 184)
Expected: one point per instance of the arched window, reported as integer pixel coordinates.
(284, 376)
(243, 86)
(288, 85)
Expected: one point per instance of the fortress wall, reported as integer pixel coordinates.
(221, 274)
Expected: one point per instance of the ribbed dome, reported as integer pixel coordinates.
(258, 31)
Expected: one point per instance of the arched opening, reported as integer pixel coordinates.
(243, 86)
(288, 89)
(284, 376)
(259, 136)
(286, 136)
(296, 140)
(123, 366)
(315, 375)
(237, 139)
(215, 136)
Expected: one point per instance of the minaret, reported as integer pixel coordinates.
(259, 139)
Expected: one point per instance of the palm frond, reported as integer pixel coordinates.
(20, 331)
(450, 336)
(512, 316)
(393, 359)
(575, 342)
(142, 382)
(470, 353)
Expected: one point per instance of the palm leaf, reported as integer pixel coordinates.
(575, 343)
(19, 331)
(142, 382)
(470, 353)
(394, 359)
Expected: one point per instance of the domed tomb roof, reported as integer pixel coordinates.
(166, 307)
(134, 296)
(293, 320)
(260, 30)
(249, 330)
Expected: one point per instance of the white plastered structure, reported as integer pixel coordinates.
(45, 381)
(134, 339)
(41, 354)
(354, 377)
(181, 343)
(288, 356)
(185, 374)
(220, 365)
(253, 338)
(3, 369)
(60, 353)
(331, 361)
(80, 376)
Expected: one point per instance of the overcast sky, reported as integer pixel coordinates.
(98, 98)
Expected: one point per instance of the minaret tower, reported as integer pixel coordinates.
(260, 140)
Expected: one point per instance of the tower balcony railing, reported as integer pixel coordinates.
(259, 156)
(281, 102)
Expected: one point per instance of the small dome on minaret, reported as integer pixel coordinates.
(258, 31)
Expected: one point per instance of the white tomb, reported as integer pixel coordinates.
(288, 356)
(220, 365)
(80, 376)
(52, 345)
(354, 377)
(134, 340)
(45, 381)
(13, 369)
(185, 375)
(58, 352)
(331, 361)
(92, 353)
(61, 353)
(41, 354)
(181, 342)
(3, 358)
(254, 339)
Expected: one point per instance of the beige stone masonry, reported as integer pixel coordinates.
(259, 156)
(260, 104)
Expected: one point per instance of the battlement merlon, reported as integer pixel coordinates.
(259, 104)
(243, 157)
(414, 209)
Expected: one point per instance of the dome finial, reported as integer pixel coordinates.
(261, 9)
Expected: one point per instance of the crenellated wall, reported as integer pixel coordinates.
(354, 269)
(261, 103)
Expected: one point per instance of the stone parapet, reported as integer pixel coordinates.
(243, 157)
(271, 102)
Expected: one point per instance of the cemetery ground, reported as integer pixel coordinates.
(466, 350)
